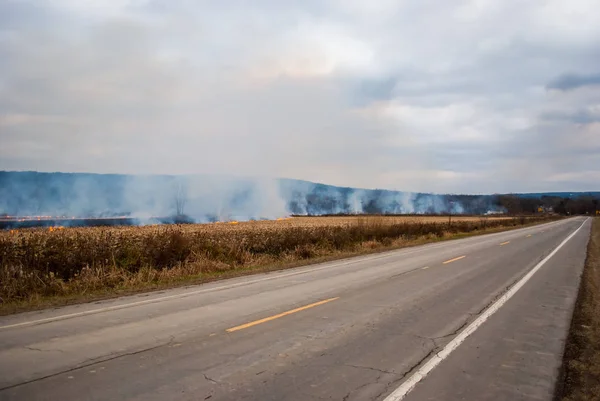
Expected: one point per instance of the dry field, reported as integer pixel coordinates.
(342, 221)
(272, 225)
(37, 265)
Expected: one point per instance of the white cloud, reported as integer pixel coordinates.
(424, 96)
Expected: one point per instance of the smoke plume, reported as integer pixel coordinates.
(209, 198)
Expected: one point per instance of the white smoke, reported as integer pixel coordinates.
(203, 198)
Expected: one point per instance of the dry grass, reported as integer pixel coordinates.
(581, 365)
(42, 266)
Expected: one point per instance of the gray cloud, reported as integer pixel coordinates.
(581, 116)
(574, 81)
(429, 96)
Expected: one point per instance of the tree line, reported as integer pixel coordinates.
(580, 205)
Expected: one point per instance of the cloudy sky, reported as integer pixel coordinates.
(474, 96)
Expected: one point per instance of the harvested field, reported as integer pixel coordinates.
(42, 265)
(366, 219)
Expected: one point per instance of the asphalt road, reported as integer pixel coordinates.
(357, 329)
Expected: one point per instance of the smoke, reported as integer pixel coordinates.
(201, 198)
(306, 198)
(225, 198)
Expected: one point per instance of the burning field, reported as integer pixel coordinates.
(56, 264)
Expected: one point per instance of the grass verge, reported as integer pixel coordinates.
(580, 379)
(40, 268)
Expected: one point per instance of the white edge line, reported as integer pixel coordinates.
(407, 386)
(224, 287)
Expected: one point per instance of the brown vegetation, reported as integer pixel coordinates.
(581, 366)
(37, 265)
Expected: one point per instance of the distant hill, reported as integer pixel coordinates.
(204, 198)
(565, 195)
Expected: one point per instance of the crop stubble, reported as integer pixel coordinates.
(82, 263)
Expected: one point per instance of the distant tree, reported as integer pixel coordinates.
(511, 203)
(561, 207)
(180, 197)
(529, 205)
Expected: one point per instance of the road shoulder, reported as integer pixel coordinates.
(580, 379)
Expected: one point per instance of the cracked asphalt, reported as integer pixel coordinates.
(384, 316)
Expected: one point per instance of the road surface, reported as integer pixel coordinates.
(358, 329)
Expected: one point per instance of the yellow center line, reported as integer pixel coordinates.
(454, 260)
(268, 319)
(426, 267)
(529, 236)
(505, 243)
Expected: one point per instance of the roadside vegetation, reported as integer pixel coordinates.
(581, 365)
(41, 267)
